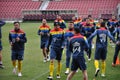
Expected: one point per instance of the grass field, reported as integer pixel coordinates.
(33, 66)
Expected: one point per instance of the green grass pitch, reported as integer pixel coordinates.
(33, 66)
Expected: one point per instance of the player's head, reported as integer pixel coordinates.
(87, 20)
(102, 24)
(100, 20)
(44, 21)
(56, 25)
(90, 16)
(113, 17)
(16, 26)
(76, 30)
(58, 17)
(74, 18)
(70, 25)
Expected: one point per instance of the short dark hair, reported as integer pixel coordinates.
(77, 30)
(102, 24)
(16, 22)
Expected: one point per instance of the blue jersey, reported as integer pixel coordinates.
(102, 34)
(62, 24)
(1, 24)
(68, 34)
(117, 30)
(45, 29)
(17, 45)
(56, 39)
(77, 45)
(87, 29)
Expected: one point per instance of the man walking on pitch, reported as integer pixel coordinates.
(17, 39)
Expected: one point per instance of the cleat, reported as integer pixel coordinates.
(67, 72)
(19, 74)
(50, 77)
(113, 65)
(15, 70)
(48, 58)
(89, 59)
(102, 75)
(1, 66)
(44, 60)
(77, 70)
(96, 72)
(58, 76)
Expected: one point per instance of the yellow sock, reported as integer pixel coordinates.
(59, 68)
(14, 63)
(96, 63)
(103, 65)
(68, 68)
(51, 67)
(19, 66)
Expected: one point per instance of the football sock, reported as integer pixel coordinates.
(51, 67)
(103, 65)
(96, 63)
(59, 68)
(19, 66)
(14, 63)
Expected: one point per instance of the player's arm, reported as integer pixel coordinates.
(64, 24)
(86, 44)
(70, 46)
(39, 32)
(110, 36)
(23, 39)
(2, 23)
(92, 35)
(48, 42)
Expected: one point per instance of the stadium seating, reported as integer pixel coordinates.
(85, 7)
(12, 9)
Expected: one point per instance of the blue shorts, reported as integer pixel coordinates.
(17, 55)
(100, 53)
(56, 53)
(0, 45)
(78, 62)
(43, 45)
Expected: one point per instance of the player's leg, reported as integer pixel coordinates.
(1, 64)
(85, 76)
(43, 51)
(51, 66)
(20, 58)
(71, 74)
(117, 48)
(68, 56)
(14, 58)
(96, 61)
(58, 58)
(103, 63)
(89, 52)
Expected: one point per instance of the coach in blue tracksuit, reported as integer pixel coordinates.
(77, 45)
(101, 47)
(68, 34)
(1, 24)
(117, 47)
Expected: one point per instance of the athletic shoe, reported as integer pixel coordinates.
(15, 70)
(77, 70)
(48, 58)
(113, 65)
(102, 75)
(45, 60)
(67, 72)
(96, 72)
(58, 76)
(50, 77)
(1, 66)
(19, 74)
(89, 59)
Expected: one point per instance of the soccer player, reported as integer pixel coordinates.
(101, 47)
(43, 31)
(56, 40)
(88, 29)
(61, 22)
(75, 21)
(117, 47)
(17, 39)
(77, 45)
(1, 24)
(112, 24)
(68, 34)
(99, 22)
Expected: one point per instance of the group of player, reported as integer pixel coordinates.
(77, 39)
